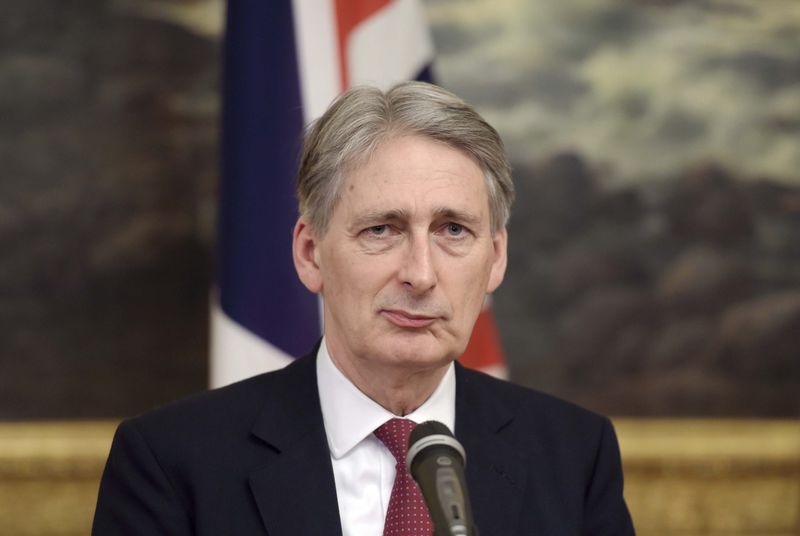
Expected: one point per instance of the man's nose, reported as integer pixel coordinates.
(417, 271)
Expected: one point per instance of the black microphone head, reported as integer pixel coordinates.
(428, 428)
(432, 434)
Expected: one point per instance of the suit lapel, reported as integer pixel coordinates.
(495, 471)
(294, 489)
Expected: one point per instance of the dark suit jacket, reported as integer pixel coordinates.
(252, 458)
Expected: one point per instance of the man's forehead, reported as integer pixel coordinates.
(403, 198)
(410, 176)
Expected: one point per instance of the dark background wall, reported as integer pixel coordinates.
(109, 165)
(655, 245)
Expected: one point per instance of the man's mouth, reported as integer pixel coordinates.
(407, 320)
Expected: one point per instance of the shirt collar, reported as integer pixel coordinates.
(350, 416)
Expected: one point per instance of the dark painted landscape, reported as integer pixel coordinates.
(655, 244)
(109, 164)
(678, 298)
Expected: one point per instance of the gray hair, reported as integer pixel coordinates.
(363, 118)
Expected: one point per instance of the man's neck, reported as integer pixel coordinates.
(396, 388)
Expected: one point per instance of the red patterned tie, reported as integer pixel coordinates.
(408, 514)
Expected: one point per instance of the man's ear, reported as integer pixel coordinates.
(499, 260)
(306, 256)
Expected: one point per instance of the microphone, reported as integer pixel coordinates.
(436, 461)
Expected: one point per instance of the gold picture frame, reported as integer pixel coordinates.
(683, 477)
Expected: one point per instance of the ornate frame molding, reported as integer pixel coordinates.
(687, 477)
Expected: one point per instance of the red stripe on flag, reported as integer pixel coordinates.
(484, 349)
(349, 14)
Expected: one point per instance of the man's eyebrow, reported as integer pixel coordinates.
(373, 216)
(461, 216)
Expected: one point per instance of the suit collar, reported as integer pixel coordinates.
(495, 470)
(294, 488)
(291, 406)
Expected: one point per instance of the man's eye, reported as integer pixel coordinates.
(455, 229)
(378, 230)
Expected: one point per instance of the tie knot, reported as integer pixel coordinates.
(394, 434)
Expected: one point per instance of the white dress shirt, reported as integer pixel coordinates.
(363, 468)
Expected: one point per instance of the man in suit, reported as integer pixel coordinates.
(404, 198)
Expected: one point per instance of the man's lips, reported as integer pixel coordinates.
(407, 320)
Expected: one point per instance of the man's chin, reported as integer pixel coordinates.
(418, 352)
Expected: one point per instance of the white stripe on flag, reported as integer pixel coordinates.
(236, 353)
(391, 46)
(317, 55)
